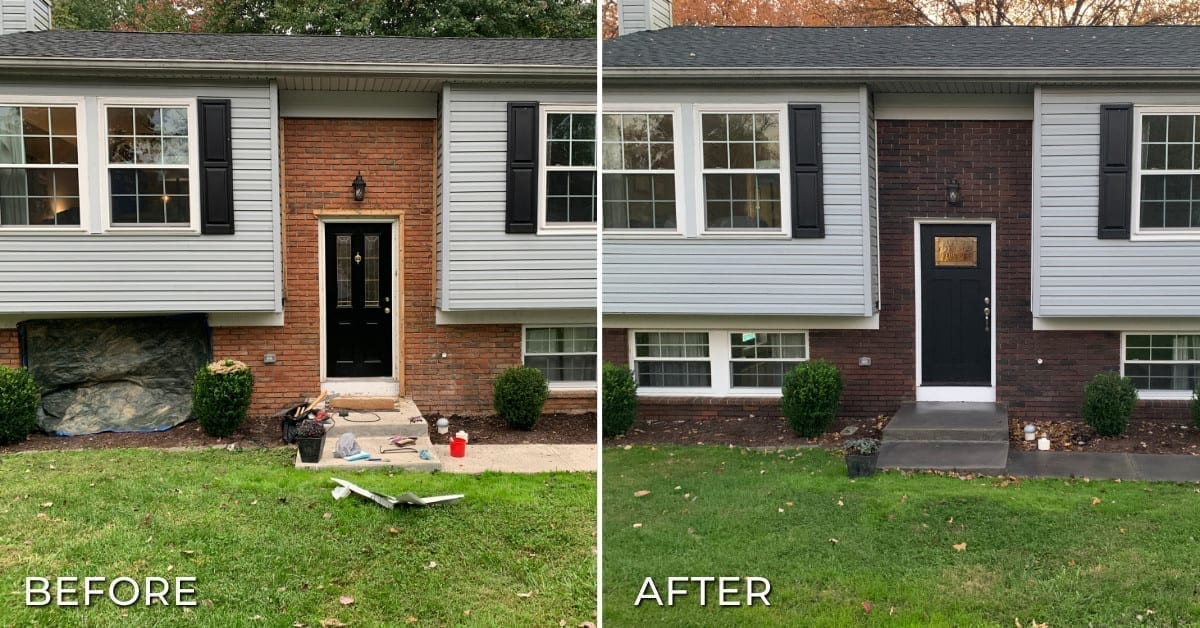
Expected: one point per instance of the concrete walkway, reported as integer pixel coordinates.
(1108, 466)
(519, 458)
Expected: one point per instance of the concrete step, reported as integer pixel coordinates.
(376, 446)
(948, 421)
(363, 403)
(405, 420)
(964, 456)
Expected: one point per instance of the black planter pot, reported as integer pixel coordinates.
(311, 448)
(860, 466)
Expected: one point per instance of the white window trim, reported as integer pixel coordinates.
(719, 359)
(565, 386)
(785, 183)
(1169, 395)
(82, 145)
(677, 173)
(1168, 233)
(194, 139)
(554, 228)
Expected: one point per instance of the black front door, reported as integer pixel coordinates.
(956, 307)
(358, 299)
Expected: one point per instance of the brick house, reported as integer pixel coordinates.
(346, 213)
(946, 214)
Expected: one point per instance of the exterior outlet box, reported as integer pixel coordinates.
(864, 361)
(269, 358)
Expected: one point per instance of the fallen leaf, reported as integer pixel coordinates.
(562, 622)
(393, 531)
(840, 503)
(641, 493)
(780, 510)
(281, 589)
(789, 504)
(587, 624)
(188, 552)
(833, 541)
(1095, 501)
(867, 606)
(47, 504)
(327, 515)
(527, 594)
(637, 525)
(410, 620)
(628, 447)
(960, 547)
(206, 603)
(891, 611)
(346, 600)
(431, 565)
(467, 613)
(330, 622)
(903, 499)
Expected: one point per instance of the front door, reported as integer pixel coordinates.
(956, 308)
(358, 299)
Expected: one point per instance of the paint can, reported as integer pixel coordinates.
(458, 447)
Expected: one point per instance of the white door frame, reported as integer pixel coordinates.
(954, 393)
(388, 386)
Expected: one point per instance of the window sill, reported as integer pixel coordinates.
(641, 234)
(567, 389)
(709, 392)
(188, 231)
(1180, 235)
(1165, 395)
(746, 234)
(566, 231)
(65, 230)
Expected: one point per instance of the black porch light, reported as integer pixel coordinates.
(953, 193)
(360, 188)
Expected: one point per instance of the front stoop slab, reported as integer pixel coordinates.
(967, 457)
(948, 421)
(375, 445)
(1104, 466)
(405, 421)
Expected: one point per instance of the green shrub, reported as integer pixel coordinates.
(221, 396)
(620, 399)
(811, 394)
(1108, 402)
(19, 401)
(518, 396)
(1196, 406)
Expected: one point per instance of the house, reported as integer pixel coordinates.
(382, 217)
(946, 214)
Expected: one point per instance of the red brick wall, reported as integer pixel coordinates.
(397, 160)
(10, 348)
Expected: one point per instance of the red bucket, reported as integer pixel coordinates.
(458, 447)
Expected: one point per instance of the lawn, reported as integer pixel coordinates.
(268, 545)
(1061, 552)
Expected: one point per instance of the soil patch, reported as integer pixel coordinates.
(1144, 436)
(552, 429)
(742, 432)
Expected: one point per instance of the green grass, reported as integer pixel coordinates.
(268, 545)
(1034, 549)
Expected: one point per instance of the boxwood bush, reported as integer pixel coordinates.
(1108, 402)
(620, 399)
(812, 393)
(518, 396)
(221, 396)
(19, 401)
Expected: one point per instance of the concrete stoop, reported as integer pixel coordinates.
(947, 436)
(372, 429)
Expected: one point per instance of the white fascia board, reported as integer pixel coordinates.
(755, 322)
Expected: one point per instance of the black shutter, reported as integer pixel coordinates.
(216, 167)
(1116, 171)
(808, 203)
(520, 215)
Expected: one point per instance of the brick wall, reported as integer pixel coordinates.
(397, 160)
(10, 348)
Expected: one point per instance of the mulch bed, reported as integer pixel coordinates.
(552, 429)
(1144, 436)
(741, 432)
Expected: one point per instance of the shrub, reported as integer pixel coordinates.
(1196, 406)
(309, 428)
(811, 394)
(518, 396)
(620, 399)
(1108, 402)
(19, 401)
(221, 396)
(861, 446)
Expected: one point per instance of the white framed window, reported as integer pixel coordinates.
(566, 355)
(715, 362)
(42, 164)
(1167, 181)
(151, 165)
(1162, 366)
(742, 179)
(639, 149)
(568, 167)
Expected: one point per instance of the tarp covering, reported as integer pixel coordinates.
(115, 375)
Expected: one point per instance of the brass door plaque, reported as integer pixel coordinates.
(955, 251)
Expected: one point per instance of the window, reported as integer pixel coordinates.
(741, 171)
(570, 158)
(39, 166)
(149, 175)
(562, 354)
(672, 359)
(760, 359)
(639, 171)
(1169, 175)
(1165, 365)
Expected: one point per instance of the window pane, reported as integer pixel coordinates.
(35, 120)
(371, 271)
(344, 295)
(120, 121)
(62, 121)
(662, 374)
(1154, 128)
(563, 354)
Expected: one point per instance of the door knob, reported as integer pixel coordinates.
(387, 310)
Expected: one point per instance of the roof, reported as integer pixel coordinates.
(1029, 48)
(56, 47)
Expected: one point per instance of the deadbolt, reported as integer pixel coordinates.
(387, 299)
(987, 300)
(357, 258)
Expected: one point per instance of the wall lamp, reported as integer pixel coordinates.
(360, 188)
(954, 193)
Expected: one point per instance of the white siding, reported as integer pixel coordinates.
(1075, 273)
(640, 15)
(873, 194)
(98, 272)
(17, 16)
(484, 268)
(694, 274)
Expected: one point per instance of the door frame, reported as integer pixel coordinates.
(954, 393)
(387, 386)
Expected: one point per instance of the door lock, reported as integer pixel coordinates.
(987, 319)
(357, 258)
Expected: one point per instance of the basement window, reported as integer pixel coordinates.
(565, 355)
(1162, 366)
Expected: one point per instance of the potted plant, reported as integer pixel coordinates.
(310, 438)
(861, 454)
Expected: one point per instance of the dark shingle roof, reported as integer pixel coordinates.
(907, 47)
(290, 49)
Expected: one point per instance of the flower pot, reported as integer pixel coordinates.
(860, 466)
(311, 448)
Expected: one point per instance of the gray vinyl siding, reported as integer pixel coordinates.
(873, 207)
(96, 272)
(17, 16)
(484, 268)
(1075, 273)
(641, 15)
(695, 274)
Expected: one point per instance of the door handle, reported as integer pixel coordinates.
(987, 319)
(387, 310)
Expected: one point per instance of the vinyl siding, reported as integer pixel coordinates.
(873, 208)
(632, 17)
(483, 267)
(707, 275)
(96, 272)
(1077, 274)
(39, 15)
